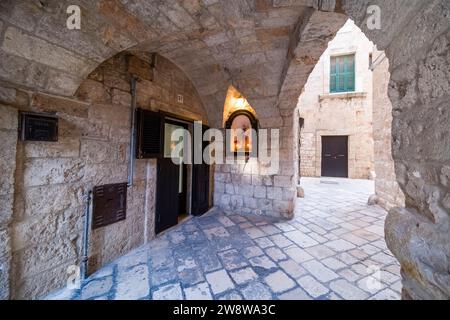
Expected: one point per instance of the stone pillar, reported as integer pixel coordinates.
(388, 193)
(419, 90)
(289, 159)
(8, 137)
(415, 36)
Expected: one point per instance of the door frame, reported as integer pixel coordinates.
(194, 206)
(162, 216)
(188, 124)
(184, 199)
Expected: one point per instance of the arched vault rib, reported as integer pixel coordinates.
(234, 41)
(307, 45)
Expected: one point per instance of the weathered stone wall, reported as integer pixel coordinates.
(417, 46)
(339, 114)
(246, 189)
(9, 99)
(389, 194)
(420, 92)
(216, 44)
(52, 178)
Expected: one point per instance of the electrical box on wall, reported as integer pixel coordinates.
(109, 205)
(38, 127)
(180, 98)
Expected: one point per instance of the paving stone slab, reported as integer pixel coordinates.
(219, 281)
(256, 291)
(319, 271)
(253, 251)
(313, 287)
(200, 291)
(279, 282)
(96, 288)
(295, 294)
(168, 292)
(347, 290)
(133, 284)
(232, 259)
(243, 275)
(292, 268)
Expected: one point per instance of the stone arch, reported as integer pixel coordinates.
(417, 92)
(148, 68)
(93, 149)
(235, 101)
(266, 49)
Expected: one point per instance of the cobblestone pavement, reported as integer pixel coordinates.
(333, 249)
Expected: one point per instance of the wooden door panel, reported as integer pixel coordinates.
(200, 185)
(200, 192)
(167, 195)
(335, 156)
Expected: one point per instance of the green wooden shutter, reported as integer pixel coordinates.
(333, 75)
(342, 74)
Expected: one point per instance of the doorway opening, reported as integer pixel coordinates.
(182, 187)
(171, 199)
(170, 126)
(346, 117)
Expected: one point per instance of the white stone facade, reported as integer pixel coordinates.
(339, 114)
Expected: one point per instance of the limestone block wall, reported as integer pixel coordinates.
(246, 189)
(255, 187)
(8, 137)
(50, 179)
(417, 44)
(216, 45)
(339, 114)
(419, 90)
(386, 187)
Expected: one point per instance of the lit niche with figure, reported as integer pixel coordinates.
(241, 124)
(242, 138)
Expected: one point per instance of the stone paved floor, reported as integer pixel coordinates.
(333, 249)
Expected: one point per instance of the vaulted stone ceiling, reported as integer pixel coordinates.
(266, 49)
(248, 43)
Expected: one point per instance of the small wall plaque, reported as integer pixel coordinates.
(38, 127)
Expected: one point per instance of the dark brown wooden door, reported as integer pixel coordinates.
(167, 195)
(200, 185)
(200, 192)
(335, 156)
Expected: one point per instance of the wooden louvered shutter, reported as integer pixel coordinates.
(342, 74)
(350, 73)
(333, 76)
(150, 133)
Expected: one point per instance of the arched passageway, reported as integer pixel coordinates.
(266, 49)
